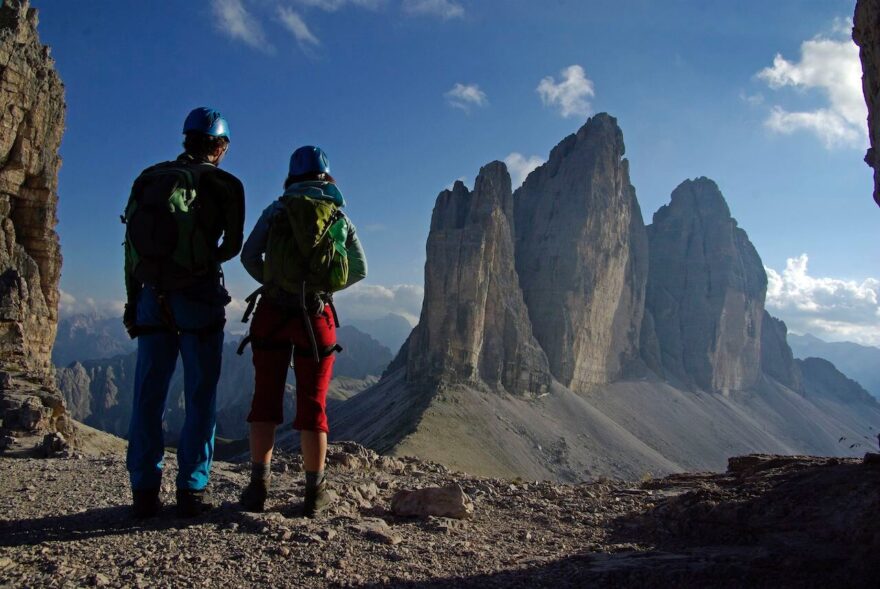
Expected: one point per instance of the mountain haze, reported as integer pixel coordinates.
(90, 337)
(861, 363)
(390, 330)
(99, 392)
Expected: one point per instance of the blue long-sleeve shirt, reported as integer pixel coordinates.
(255, 246)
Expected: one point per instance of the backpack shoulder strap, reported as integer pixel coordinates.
(192, 171)
(199, 169)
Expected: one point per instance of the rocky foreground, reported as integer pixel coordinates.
(769, 521)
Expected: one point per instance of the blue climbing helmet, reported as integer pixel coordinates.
(308, 159)
(208, 121)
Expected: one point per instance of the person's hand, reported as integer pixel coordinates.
(129, 320)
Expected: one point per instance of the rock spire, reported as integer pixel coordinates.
(581, 255)
(474, 325)
(705, 293)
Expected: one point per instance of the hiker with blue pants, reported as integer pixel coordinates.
(176, 215)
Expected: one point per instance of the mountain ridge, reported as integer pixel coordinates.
(857, 361)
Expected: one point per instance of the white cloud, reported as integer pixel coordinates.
(445, 9)
(756, 99)
(294, 23)
(334, 5)
(464, 96)
(842, 26)
(372, 301)
(233, 19)
(828, 125)
(69, 305)
(570, 94)
(521, 166)
(829, 308)
(831, 67)
(234, 312)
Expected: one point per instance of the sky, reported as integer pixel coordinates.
(406, 96)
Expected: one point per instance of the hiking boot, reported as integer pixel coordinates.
(191, 503)
(253, 498)
(145, 503)
(316, 499)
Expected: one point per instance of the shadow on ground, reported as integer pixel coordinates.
(109, 521)
(767, 522)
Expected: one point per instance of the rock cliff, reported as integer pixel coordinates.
(581, 255)
(777, 359)
(34, 417)
(31, 124)
(705, 292)
(866, 34)
(474, 326)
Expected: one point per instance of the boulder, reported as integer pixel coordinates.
(25, 413)
(449, 501)
(378, 530)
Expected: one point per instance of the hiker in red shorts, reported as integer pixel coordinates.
(302, 249)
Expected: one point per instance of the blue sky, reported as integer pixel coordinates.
(408, 95)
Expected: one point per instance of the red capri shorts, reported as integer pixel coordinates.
(274, 332)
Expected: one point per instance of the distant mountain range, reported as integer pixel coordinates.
(98, 391)
(87, 336)
(860, 363)
(90, 337)
(391, 330)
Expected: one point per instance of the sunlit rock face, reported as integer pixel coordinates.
(474, 326)
(31, 125)
(705, 293)
(581, 255)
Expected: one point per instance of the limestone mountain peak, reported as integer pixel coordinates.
(581, 255)
(700, 195)
(474, 326)
(706, 290)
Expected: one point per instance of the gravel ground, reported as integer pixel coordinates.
(768, 521)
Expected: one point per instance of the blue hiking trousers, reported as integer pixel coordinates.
(198, 314)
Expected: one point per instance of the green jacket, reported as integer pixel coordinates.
(255, 246)
(221, 215)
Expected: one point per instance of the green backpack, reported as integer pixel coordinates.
(163, 234)
(305, 250)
